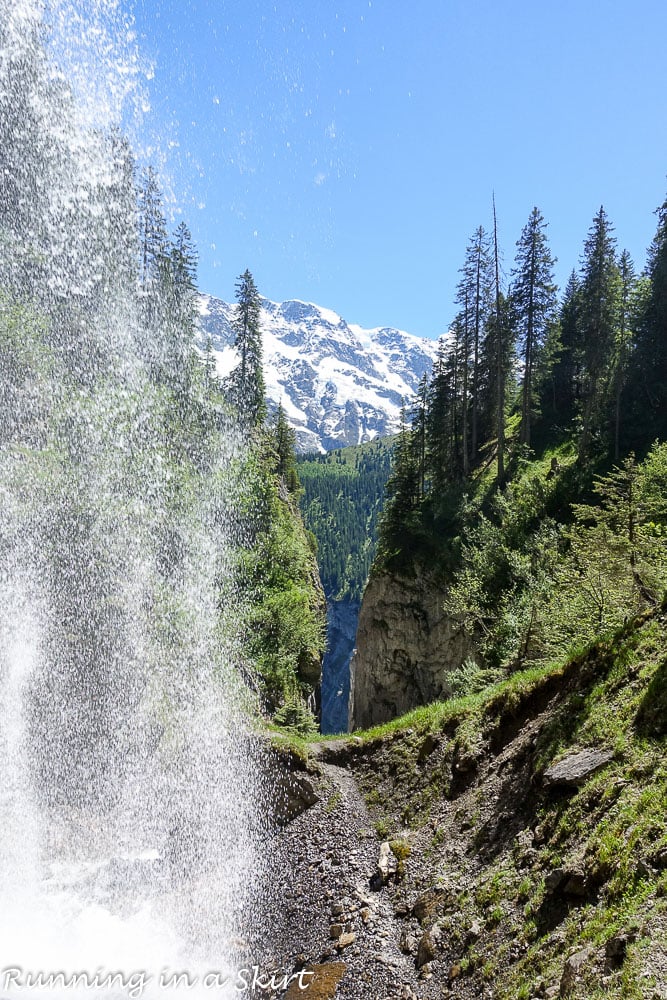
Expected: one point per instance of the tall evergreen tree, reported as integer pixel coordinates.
(534, 307)
(245, 384)
(284, 438)
(649, 365)
(441, 429)
(402, 493)
(499, 333)
(623, 342)
(183, 257)
(419, 418)
(475, 296)
(599, 316)
(560, 394)
(153, 240)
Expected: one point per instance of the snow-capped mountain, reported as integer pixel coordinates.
(339, 384)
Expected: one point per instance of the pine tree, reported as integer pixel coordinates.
(474, 294)
(599, 317)
(534, 307)
(441, 428)
(284, 438)
(499, 349)
(419, 417)
(623, 341)
(649, 364)
(402, 493)
(560, 394)
(153, 240)
(183, 258)
(245, 384)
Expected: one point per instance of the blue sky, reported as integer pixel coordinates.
(346, 151)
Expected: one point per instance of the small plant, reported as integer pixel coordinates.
(333, 802)
(401, 849)
(297, 717)
(523, 892)
(382, 827)
(470, 678)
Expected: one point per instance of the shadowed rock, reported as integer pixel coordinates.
(573, 770)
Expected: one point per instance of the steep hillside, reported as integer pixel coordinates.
(524, 833)
(488, 581)
(338, 383)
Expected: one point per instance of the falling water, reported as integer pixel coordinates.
(127, 782)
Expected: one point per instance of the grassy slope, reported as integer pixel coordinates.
(461, 782)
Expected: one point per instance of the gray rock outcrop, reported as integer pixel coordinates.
(406, 647)
(574, 769)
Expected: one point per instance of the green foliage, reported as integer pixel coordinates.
(284, 620)
(295, 716)
(284, 440)
(341, 502)
(245, 384)
(470, 678)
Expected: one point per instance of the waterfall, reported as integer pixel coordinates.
(128, 777)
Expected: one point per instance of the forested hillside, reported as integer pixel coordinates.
(343, 493)
(529, 478)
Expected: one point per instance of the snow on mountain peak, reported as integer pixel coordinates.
(339, 383)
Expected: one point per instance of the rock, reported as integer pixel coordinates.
(408, 943)
(426, 949)
(428, 902)
(427, 748)
(321, 983)
(555, 879)
(475, 930)
(406, 648)
(573, 770)
(335, 931)
(615, 952)
(659, 859)
(386, 866)
(345, 940)
(577, 883)
(569, 882)
(293, 794)
(574, 967)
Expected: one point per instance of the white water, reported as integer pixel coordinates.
(128, 783)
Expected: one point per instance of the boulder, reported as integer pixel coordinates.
(574, 968)
(574, 769)
(426, 950)
(293, 794)
(386, 866)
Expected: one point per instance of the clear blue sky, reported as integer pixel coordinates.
(345, 151)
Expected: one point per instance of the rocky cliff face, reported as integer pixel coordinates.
(406, 646)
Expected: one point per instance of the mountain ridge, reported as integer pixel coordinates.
(339, 383)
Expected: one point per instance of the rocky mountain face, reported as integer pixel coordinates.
(406, 646)
(338, 383)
